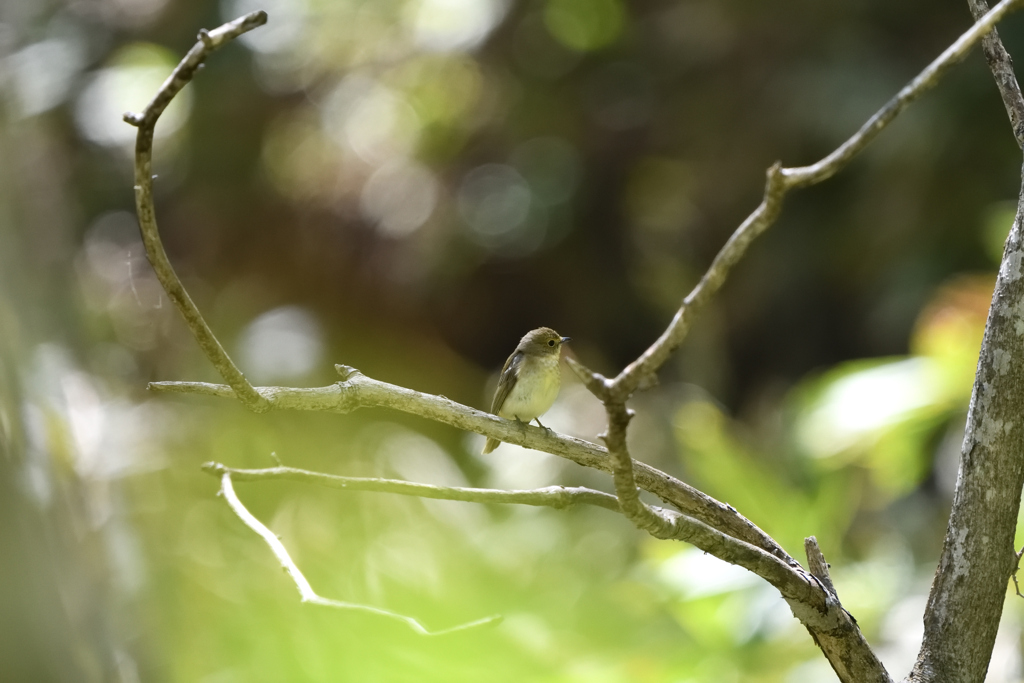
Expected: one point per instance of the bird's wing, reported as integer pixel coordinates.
(507, 380)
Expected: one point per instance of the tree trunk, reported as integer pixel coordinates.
(967, 595)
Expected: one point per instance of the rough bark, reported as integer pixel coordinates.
(967, 595)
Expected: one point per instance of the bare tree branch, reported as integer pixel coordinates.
(559, 497)
(146, 123)
(306, 591)
(357, 390)
(780, 182)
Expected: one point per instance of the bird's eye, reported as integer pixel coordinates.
(551, 342)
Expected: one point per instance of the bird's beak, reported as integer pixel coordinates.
(566, 340)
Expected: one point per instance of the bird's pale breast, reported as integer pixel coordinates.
(535, 389)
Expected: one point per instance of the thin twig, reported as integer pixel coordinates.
(1016, 568)
(817, 565)
(559, 497)
(306, 592)
(780, 182)
(146, 123)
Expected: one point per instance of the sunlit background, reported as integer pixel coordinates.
(407, 186)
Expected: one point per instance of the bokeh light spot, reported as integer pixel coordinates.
(855, 407)
(371, 119)
(443, 89)
(282, 344)
(950, 327)
(283, 32)
(585, 25)
(399, 198)
(495, 201)
(43, 73)
(130, 80)
(444, 25)
(300, 161)
(696, 574)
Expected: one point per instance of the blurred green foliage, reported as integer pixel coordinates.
(406, 187)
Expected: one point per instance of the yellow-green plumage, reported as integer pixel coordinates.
(530, 379)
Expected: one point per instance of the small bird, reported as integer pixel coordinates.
(530, 380)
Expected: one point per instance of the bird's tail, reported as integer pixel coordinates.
(490, 445)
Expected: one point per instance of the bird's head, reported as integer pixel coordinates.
(542, 341)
